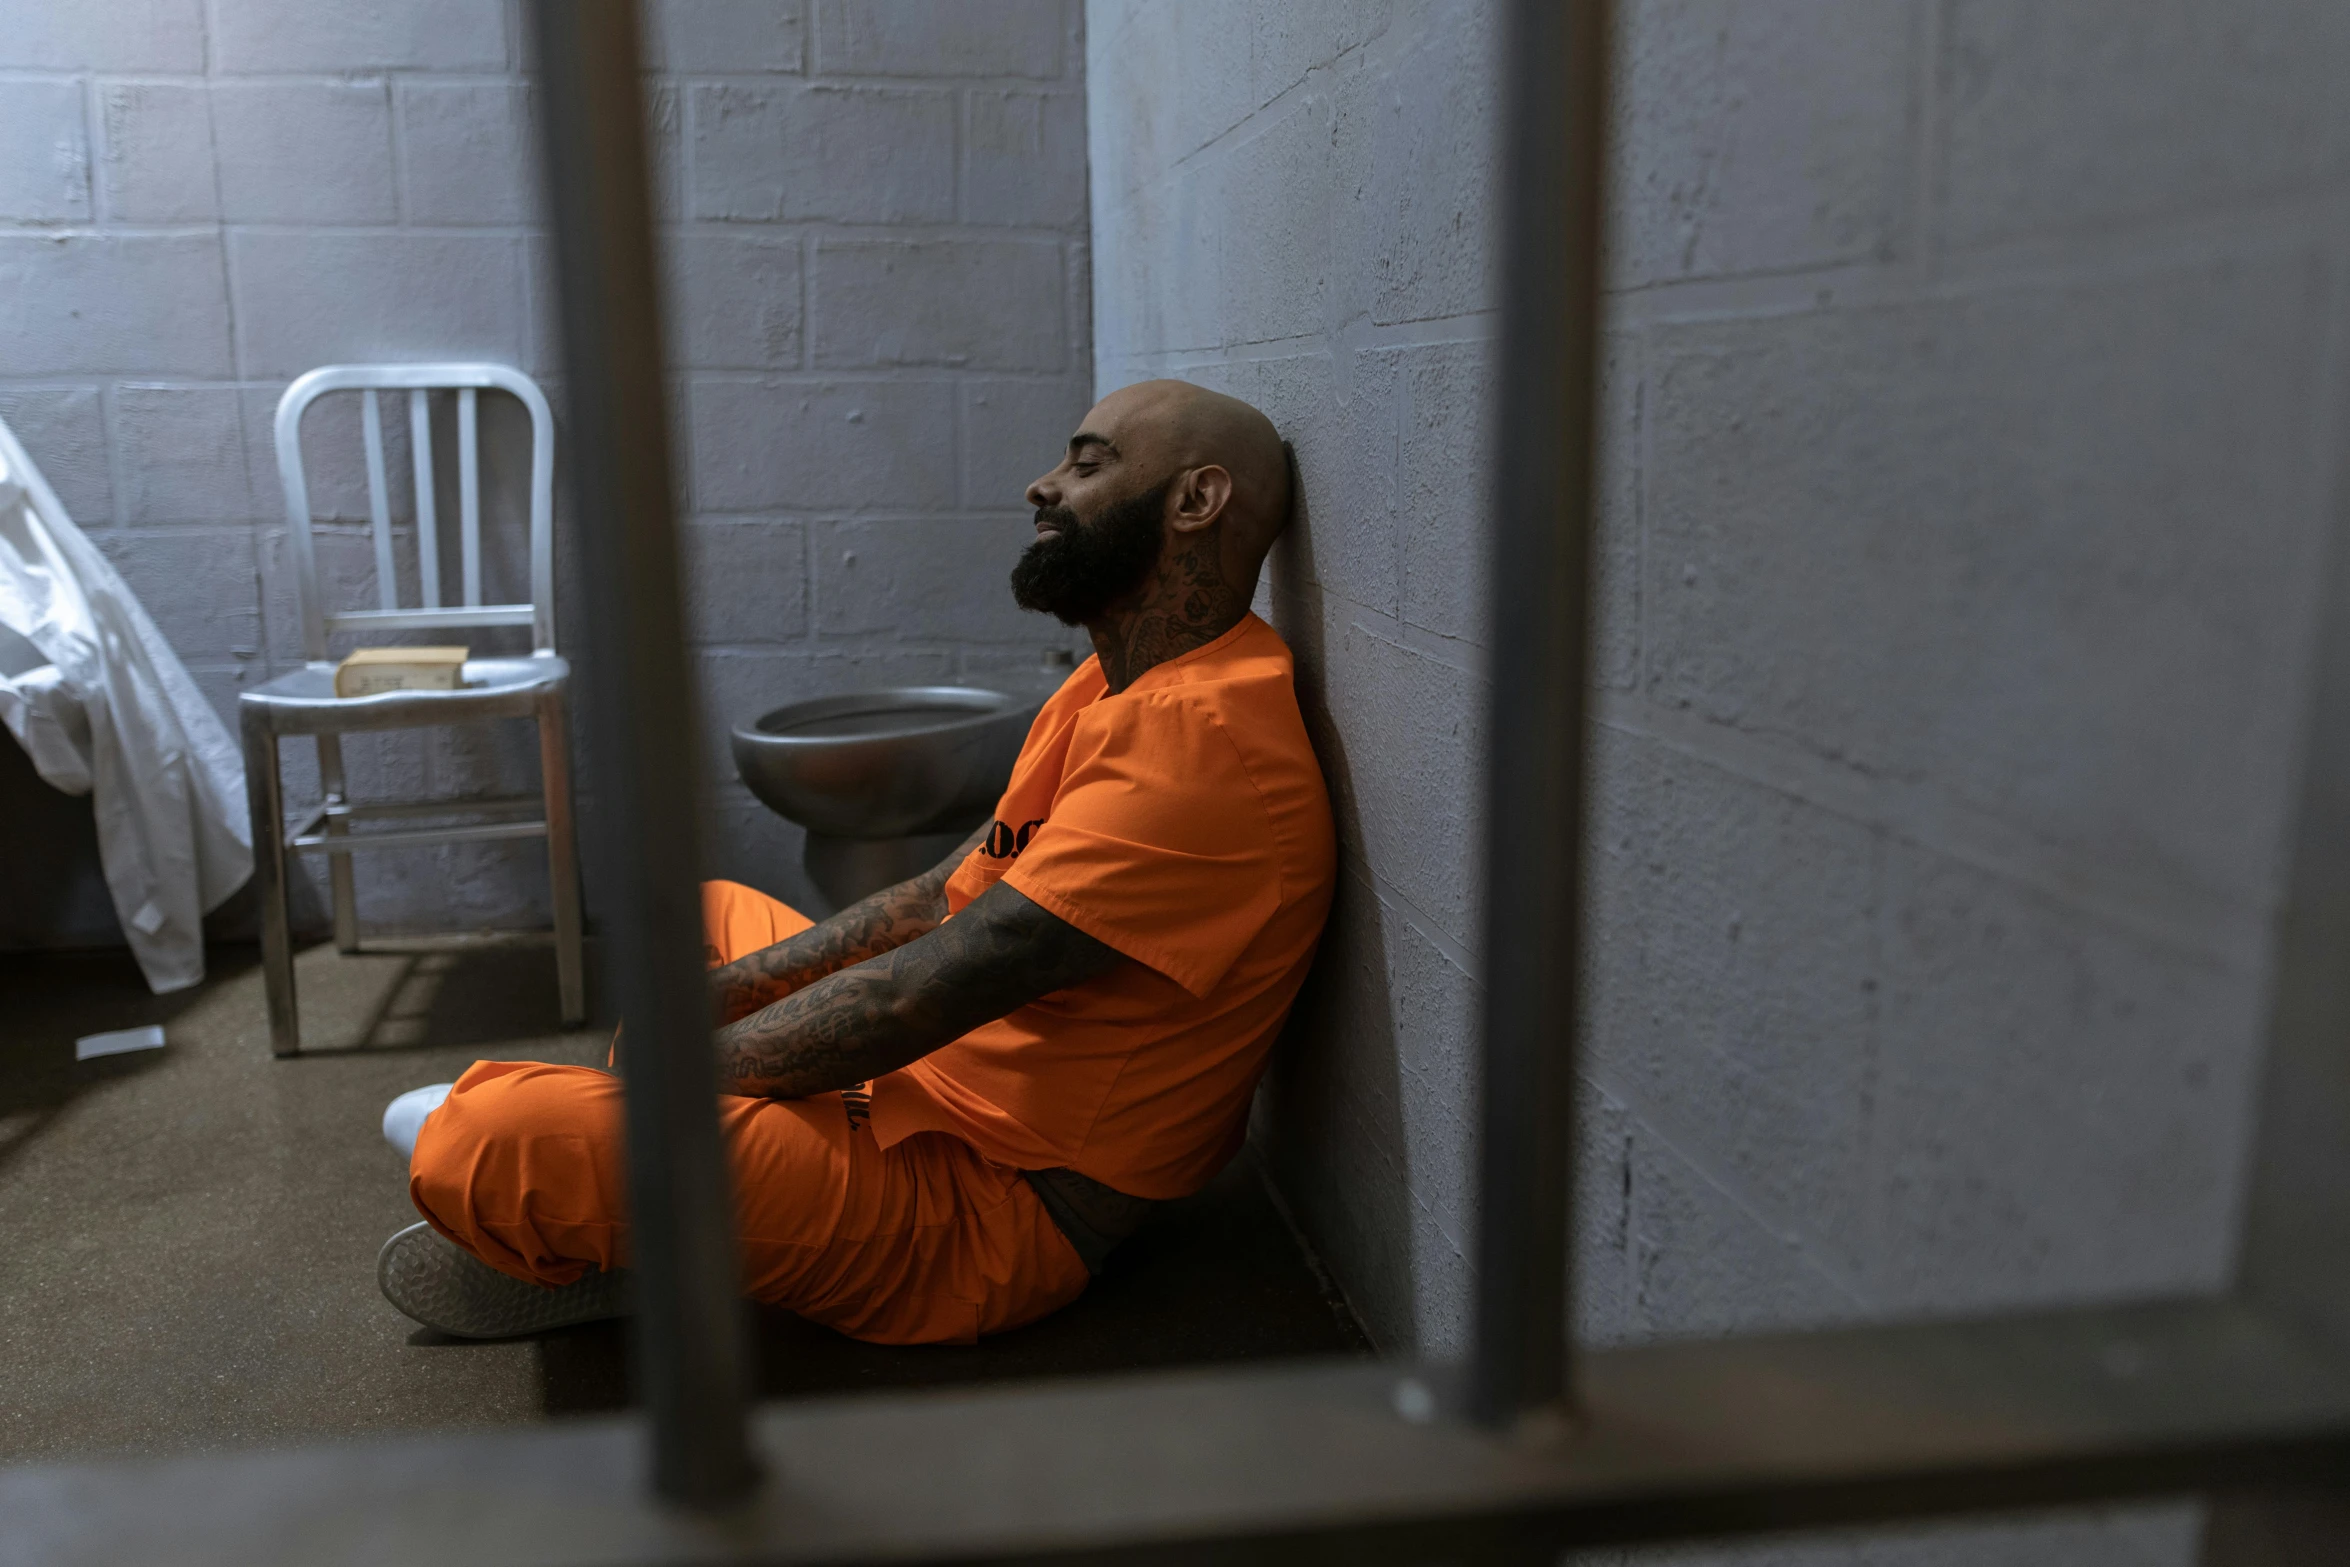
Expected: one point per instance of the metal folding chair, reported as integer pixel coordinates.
(304, 701)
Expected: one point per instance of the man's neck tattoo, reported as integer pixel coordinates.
(1186, 604)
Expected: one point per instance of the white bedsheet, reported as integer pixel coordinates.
(113, 714)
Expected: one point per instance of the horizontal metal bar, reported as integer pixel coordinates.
(414, 837)
(451, 617)
(387, 811)
(1319, 1462)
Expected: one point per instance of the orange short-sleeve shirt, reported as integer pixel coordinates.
(1184, 822)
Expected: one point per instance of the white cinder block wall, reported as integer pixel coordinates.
(1973, 413)
(874, 217)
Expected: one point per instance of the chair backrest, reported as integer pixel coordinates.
(420, 381)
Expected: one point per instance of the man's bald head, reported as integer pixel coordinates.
(1169, 427)
(1160, 513)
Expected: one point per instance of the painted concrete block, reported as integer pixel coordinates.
(1443, 495)
(1033, 664)
(182, 454)
(1346, 533)
(133, 304)
(926, 579)
(1164, 269)
(940, 38)
(64, 431)
(1415, 154)
(1704, 1265)
(2047, 551)
(1286, 42)
(156, 165)
(807, 445)
(468, 153)
(1605, 1285)
(1618, 531)
(304, 152)
(1413, 753)
(1332, 1119)
(981, 304)
(1167, 117)
(251, 36)
(1014, 432)
(746, 580)
(346, 576)
(665, 150)
(2081, 116)
(1374, 1078)
(44, 154)
(1733, 981)
(482, 760)
(851, 154)
(1276, 229)
(1756, 137)
(1439, 1081)
(333, 457)
(2062, 1101)
(733, 300)
(125, 35)
(1024, 158)
(305, 300)
(199, 585)
(724, 37)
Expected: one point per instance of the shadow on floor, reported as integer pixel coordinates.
(192, 1232)
(1214, 1278)
(50, 999)
(437, 992)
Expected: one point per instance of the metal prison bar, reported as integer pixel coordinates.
(2246, 1396)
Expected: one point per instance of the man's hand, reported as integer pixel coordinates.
(1002, 952)
(890, 918)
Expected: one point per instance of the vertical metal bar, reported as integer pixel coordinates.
(690, 1317)
(2297, 1234)
(469, 490)
(1542, 499)
(428, 506)
(2296, 1258)
(379, 501)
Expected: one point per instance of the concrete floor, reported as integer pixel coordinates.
(191, 1233)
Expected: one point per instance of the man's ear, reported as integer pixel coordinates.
(1200, 496)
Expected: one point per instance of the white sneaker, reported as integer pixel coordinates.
(404, 1117)
(442, 1287)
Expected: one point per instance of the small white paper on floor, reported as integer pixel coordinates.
(149, 1037)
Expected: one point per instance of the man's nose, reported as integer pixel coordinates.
(1044, 492)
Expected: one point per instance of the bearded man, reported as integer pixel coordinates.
(945, 1104)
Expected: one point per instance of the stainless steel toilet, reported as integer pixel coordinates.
(886, 782)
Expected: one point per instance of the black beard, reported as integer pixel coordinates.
(1077, 574)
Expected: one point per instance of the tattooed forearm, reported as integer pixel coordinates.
(1001, 952)
(889, 919)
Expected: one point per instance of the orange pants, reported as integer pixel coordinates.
(924, 1242)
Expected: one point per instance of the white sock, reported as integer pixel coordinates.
(404, 1116)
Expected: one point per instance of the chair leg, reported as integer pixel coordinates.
(338, 866)
(265, 797)
(562, 857)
